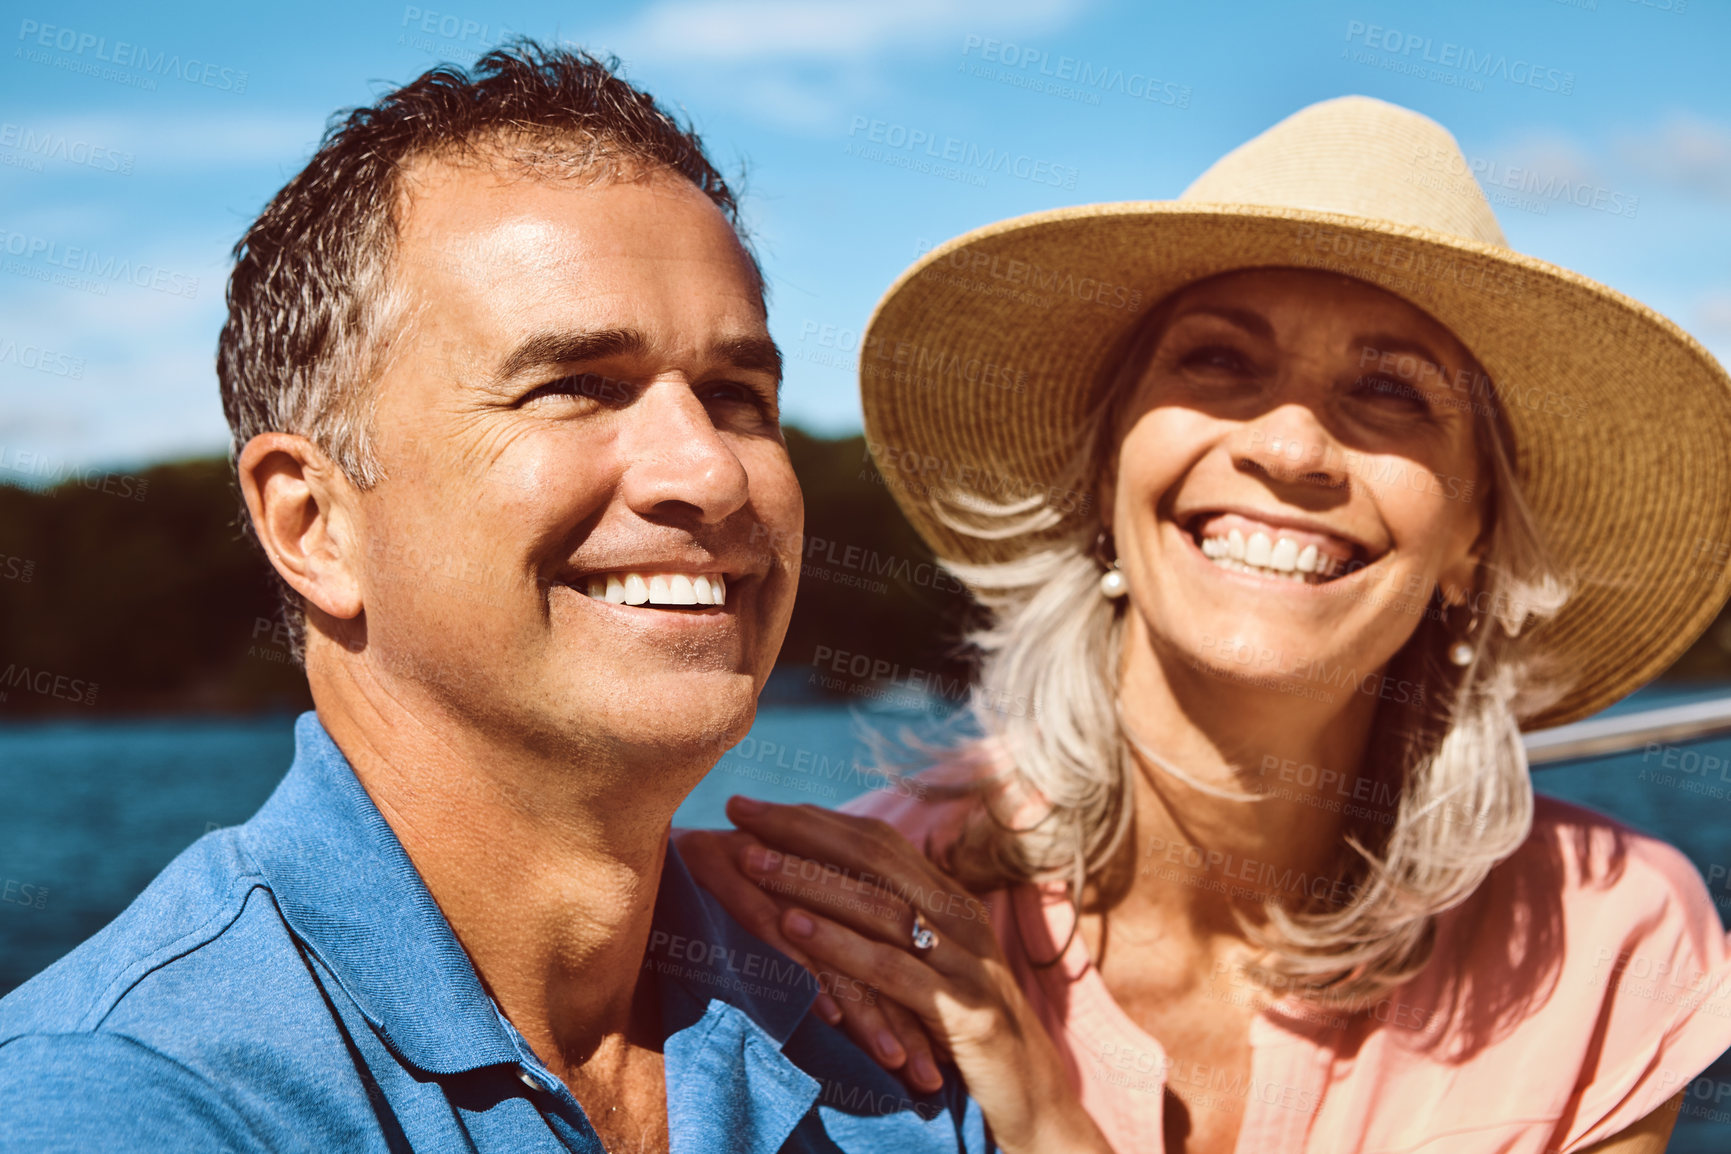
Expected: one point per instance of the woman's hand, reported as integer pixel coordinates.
(869, 883)
(888, 1032)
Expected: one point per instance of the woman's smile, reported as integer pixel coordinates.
(1274, 547)
(1221, 533)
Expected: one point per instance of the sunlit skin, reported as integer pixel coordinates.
(1256, 402)
(527, 743)
(1264, 397)
(1265, 400)
(1249, 366)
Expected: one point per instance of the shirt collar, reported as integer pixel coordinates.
(729, 1003)
(700, 953)
(347, 887)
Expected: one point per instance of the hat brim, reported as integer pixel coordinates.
(983, 361)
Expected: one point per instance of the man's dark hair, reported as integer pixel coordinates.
(310, 311)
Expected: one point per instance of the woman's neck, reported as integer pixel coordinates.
(1244, 791)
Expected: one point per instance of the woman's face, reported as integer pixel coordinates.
(1297, 473)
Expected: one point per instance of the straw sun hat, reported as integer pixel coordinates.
(983, 360)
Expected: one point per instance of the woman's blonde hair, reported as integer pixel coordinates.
(1454, 770)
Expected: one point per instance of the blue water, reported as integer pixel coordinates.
(90, 812)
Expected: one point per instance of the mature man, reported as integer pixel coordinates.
(505, 415)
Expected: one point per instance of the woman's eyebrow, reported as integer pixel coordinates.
(1250, 321)
(1376, 346)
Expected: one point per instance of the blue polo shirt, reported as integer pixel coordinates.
(290, 985)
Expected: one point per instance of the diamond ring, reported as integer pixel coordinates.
(924, 938)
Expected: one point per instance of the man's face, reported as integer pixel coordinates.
(584, 396)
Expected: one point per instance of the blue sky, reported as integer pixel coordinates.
(142, 142)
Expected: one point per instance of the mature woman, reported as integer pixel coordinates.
(1293, 502)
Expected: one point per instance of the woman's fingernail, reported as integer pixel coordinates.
(746, 804)
(889, 1047)
(828, 1010)
(925, 1072)
(800, 925)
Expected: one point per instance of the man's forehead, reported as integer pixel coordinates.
(453, 204)
(502, 255)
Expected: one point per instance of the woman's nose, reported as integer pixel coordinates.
(1290, 446)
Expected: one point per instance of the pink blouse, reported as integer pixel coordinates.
(1584, 984)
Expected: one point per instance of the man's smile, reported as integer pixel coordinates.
(631, 587)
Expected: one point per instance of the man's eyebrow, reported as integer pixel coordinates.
(758, 354)
(1252, 322)
(565, 347)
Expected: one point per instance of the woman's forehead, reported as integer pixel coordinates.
(1312, 292)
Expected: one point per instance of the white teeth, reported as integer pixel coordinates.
(1259, 570)
(1279, 557)
(1285, 555)
(658, 588)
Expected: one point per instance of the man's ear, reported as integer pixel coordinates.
(301, 507)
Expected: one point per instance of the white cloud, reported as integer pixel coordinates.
(147, 383)
(1686, 151)
(1552, 153)
(168, 139)
(785, 98)
(1713, 314)
(744, 31)
(799, 64)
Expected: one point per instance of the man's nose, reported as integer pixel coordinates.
(1289, 445)
(676, 462)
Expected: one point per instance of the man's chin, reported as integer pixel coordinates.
(673, 713)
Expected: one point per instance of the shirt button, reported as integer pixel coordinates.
(529, 1079)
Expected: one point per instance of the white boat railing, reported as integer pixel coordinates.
(1600, 736)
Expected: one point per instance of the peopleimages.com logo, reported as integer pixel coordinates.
(1452, 63)
(99, 266)
(921, 149)
(38, 145)
(93, 50)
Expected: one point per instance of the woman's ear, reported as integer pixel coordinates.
(1459, 579)
(1106, 491)
(303, 508)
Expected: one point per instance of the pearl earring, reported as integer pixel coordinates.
(1113, 583)
(1461, 651)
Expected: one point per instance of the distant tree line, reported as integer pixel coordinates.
(143, 593)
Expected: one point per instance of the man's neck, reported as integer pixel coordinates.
(548, 882)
